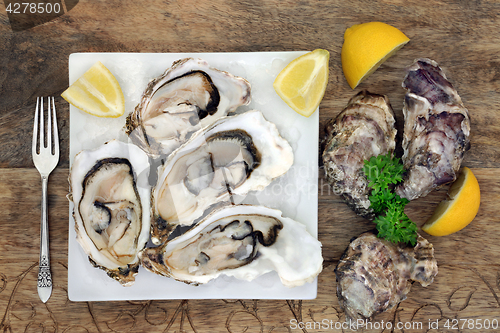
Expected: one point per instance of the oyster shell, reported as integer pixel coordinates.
(235, 155)
(365, 128)
(109, 190)
(243, 241)
(374, 275)
(187, 97)
(436, 130)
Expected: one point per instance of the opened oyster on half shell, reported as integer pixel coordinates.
(111, 207)
(234, 156)
(189, 96)
(365, 128)
(243, 241)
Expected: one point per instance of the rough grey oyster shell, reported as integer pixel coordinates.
(436, 130)
(365, 128)
(374, 275)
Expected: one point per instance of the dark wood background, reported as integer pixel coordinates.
(463, 36)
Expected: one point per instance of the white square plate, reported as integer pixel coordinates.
(295, 193)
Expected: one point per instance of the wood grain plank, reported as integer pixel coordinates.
(461, 292)
(20, 195)
(462, 40)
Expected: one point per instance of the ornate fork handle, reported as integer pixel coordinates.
(44, 275)
(45, 158)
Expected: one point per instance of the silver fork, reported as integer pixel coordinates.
(45, 161)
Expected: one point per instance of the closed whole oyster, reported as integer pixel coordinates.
(236, 155)
(365, 128)
(110, 195)
(187, 97)
(243, 241)
(436, 130)
(374, 275)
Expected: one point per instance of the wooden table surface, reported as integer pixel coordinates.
(463, 36)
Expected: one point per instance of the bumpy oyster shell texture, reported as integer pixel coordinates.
(374, 275)
(190, 95)
(436, 130)
(243, 241)
(110, 195)
(235, 155)
(365, 128)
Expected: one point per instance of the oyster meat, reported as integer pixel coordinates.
(110, 195)
(187, 97)
(235, 155)
(365, 128)
(243, 241)
(374, 275)
(436, 130)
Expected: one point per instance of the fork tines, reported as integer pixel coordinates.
(39, 138)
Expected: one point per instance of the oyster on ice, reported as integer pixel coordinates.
(374, 275)
(187, 97)
(110, 195)
(365, 128)
(436, 130)
(235, 155)
(243, 241)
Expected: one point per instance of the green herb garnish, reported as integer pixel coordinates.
(392, 222)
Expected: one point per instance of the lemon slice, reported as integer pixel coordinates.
(366, 46)
(456, 212)
(302, 83)
(97, 92)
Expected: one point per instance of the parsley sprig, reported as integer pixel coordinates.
(393, 224)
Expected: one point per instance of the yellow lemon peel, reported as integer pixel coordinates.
(459, 209)
(366, 46)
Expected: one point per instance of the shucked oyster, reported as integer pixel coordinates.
(187, 97)
(243, 241)
(110, 194)
(436, 131)
(235, 155)
(365, 128)
(374, 275)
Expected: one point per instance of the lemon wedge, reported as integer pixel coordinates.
(97, 92)
(366, 46)
(302, 83)
(461, 207)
